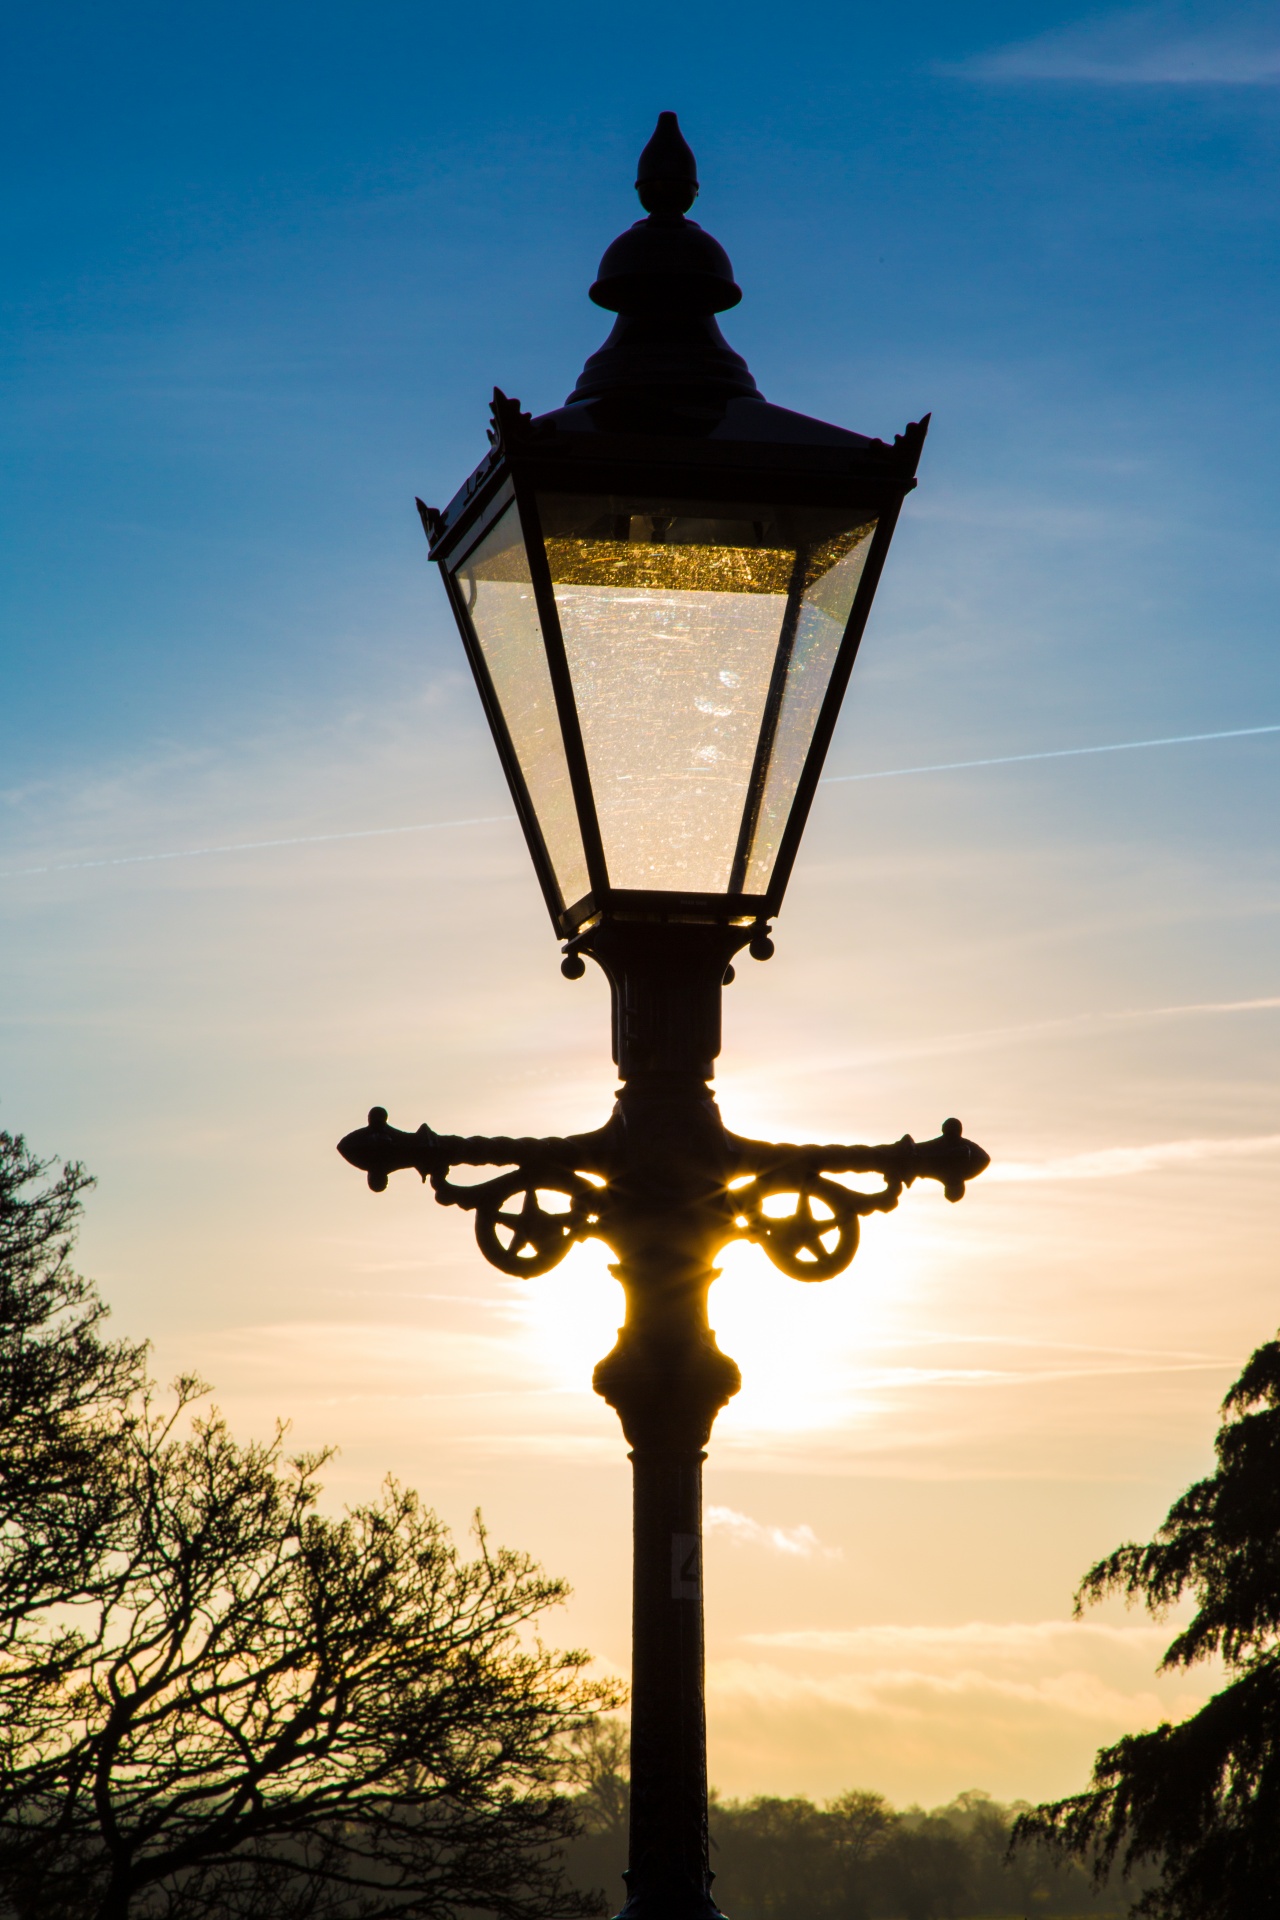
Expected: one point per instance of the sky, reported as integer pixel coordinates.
(263, 267)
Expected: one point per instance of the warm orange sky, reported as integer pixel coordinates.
(929, 1450)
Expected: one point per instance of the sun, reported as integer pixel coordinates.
(805, 1351)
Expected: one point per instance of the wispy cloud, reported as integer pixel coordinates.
(906, 1693)
(1114, 1163)
(1020, 1705)
(980, 1039)
(1147, 47)
(800, 1541)
(257, 846)
(1016, 1638)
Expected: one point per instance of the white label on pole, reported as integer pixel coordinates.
(685, 1571)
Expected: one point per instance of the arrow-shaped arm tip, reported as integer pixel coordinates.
(950, 1159)
(380, 1150)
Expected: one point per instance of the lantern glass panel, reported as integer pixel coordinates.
(497, 594)
(698, 641)
(832, 575)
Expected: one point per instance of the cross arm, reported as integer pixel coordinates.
(380, 1150)
(526, 1220)
(814, 1246)
(950, 1158)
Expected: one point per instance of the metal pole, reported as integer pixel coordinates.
(668, 1871)
(668, 1187)
(667, 1379)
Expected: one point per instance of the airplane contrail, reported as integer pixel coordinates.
(252, 846)
(491, 819)
(1054, 753)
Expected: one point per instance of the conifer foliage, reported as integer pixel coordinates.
(1202, 1799)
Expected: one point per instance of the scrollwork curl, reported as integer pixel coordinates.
(801, 1243)
(530, 1238)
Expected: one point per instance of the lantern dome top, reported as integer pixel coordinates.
(666, 278)
(661, 586)
(666, 264)
(665, 400)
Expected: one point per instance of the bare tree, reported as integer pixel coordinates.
(218, 1703)
(598, 1764)
(64, 1394)
(342, 1714)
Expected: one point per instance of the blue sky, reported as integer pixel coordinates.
(262, 268)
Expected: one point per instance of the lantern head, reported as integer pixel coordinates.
(661, 587)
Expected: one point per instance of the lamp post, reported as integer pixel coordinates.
(661, 587)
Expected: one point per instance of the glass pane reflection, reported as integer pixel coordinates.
(498, 595)
(832, 574)
(671, 641)
(700, 641)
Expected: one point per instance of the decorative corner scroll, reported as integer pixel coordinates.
(516, 1230)
(510, 422)
(432, 520)
(817, 1236)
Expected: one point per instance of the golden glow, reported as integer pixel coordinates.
(570, 1316)
(833, 576)
(670, 687)
(803, 1350)
(635, 563)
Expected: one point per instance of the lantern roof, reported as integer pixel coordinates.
(666, 392)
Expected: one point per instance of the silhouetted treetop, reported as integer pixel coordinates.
(1201, 1800)
(64, 1391)
(218, 1702)
(1221, 1539)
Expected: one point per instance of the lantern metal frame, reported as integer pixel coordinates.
(530, 457)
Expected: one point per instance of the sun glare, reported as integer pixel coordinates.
(569, 1318)
(803, 1349)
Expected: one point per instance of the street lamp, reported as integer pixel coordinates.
(661, 587)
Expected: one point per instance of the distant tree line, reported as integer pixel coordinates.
(854, 1858)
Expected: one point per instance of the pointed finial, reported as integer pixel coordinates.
(667, 176)
(665, 278)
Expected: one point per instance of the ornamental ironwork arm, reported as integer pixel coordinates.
(518, 1230)
(816, 1236)
(949, 1158)
(786, 1198)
